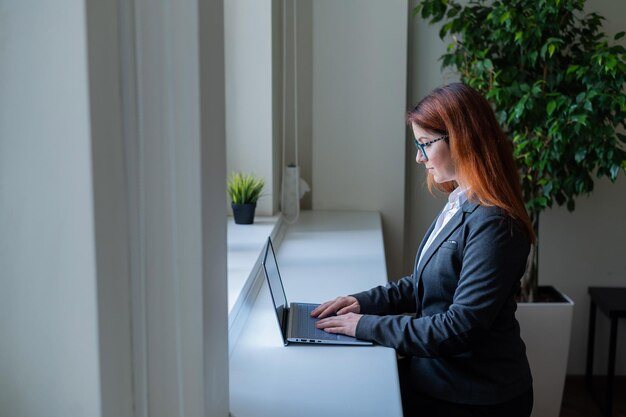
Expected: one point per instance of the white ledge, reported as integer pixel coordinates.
(323, 255)
(245, 244)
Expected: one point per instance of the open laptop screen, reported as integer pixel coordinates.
(270, 266)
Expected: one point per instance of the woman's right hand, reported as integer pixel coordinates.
(339, 306)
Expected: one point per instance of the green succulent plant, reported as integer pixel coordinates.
(244, 188)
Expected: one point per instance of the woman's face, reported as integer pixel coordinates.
(439, 163)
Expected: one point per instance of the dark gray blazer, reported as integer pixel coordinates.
(463, 340)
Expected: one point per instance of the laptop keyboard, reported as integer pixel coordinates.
(304, 324)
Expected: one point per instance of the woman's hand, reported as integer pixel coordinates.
(339, 306)
(346, 319)
(344, 324)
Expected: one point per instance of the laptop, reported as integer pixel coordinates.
(295, 321)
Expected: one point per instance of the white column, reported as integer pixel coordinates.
(181, 320)
(49, 345)
(113, 248)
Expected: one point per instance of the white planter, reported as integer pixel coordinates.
(546, 329)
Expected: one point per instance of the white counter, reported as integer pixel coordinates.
(245, 243)
(324, 255)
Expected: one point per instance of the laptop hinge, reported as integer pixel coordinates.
(286, 323)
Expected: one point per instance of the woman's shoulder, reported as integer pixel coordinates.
(493, 215)
(495, 219)
(481, 211)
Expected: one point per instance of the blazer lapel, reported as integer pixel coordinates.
(452, 224)
(425, 239)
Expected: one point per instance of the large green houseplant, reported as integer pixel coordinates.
(557, 85)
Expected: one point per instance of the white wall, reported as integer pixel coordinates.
(359, 103)
(249, 94)
(49, 365)
(577, 250)
(585, 248)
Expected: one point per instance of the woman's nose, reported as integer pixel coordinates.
(419, 158)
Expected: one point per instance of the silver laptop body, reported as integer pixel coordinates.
(295, 321)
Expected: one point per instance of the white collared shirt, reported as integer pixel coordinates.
(455, 201)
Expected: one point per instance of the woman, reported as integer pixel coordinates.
(463, 355)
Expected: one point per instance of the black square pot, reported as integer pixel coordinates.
(243, 213)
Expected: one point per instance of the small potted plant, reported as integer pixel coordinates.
(244, 191)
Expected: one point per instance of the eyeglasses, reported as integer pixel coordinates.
(422, 146)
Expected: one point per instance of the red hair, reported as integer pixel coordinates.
(482, 153)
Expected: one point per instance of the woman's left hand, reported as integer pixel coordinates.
(344, 324)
